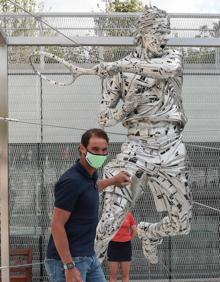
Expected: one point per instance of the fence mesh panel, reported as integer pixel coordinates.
(111, 24)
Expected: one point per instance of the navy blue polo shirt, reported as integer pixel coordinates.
(77, 192)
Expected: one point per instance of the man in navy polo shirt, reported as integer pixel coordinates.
(70, 254)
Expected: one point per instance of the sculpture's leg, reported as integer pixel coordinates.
(116, 203)
(176, 197)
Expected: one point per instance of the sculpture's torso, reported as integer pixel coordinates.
(159, 114)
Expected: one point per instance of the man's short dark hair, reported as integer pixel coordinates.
(97, 132)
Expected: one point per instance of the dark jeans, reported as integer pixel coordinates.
(89, 268)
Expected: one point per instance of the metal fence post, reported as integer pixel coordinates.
(4, 160)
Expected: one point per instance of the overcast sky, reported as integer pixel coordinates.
(172, 6)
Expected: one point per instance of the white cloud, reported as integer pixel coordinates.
(71, 5)
(211, 6)
(171, 6)
(187, 6)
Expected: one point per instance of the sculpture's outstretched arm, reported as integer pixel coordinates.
(168, 66)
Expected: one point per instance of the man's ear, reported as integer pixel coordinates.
(82, 149)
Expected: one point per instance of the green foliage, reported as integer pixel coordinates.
(216, 29)
(204, 55)
(121, 26)
(81, 55)
(201, 55)
(118, 26)
(15, 26)
(125, 6)
(29, 5)
(22, 26)
(29, 26)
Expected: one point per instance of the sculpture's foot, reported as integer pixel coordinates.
(149, 245)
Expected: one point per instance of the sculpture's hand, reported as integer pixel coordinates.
(107, 69)
(108, 117)
(121, 179)
(111, 116)
(77, 71)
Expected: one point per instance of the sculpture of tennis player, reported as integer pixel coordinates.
(148, 83)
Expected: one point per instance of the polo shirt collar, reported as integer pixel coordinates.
(83, 171)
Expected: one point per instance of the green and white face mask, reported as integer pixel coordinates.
(95, 161)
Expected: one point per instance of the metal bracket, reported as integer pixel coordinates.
(3, 40)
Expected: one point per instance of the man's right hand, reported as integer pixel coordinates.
(73, 275)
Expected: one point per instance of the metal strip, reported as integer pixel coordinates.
(106, 41)
(4, 164)
(2, 38)
(115, 15)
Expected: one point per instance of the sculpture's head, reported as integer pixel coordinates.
(152, 30)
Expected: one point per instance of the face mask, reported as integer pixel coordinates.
(95, 161)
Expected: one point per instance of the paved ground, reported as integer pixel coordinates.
(179, 280)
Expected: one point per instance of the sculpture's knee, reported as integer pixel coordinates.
(180, 225)
(171, 225)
